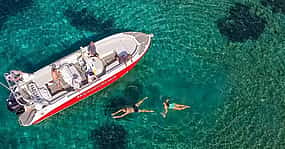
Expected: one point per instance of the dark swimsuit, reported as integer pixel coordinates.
(136, 109)
(167, 104)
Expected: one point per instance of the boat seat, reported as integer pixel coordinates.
(82, 73)
(34, 90)
(39, 92)
(112, 65)
(68, 71)
(24, 94)
(53, 88)
(108, 59)
(27, 117)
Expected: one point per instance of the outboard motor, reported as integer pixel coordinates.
(14, 106)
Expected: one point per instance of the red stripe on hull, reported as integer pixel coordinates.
(89, 92)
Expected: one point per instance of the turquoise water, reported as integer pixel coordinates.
(235, 87)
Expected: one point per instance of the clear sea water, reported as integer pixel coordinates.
(235, 89)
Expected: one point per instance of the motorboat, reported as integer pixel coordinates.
(36, 96)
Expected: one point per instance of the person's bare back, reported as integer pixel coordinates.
(131, 109)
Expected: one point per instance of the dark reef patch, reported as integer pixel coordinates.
(133, 90)
(12, 7)
(241, 24)
(276, 5)
(109, 136)
(84, 20)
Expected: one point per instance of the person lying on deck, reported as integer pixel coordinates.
(56, 76)
(128, 110)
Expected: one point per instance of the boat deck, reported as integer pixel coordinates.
(107, 50)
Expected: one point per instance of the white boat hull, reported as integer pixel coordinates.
(139, 41)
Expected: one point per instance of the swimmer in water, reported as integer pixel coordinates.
(172, 106)
(128, 110)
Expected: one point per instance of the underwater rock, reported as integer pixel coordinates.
(241, 24)
(84, 20)
(109, 136)
(12, 7)
(276, 5)
(133, 90)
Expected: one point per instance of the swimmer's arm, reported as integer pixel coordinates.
(165, 110)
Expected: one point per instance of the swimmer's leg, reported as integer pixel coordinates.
(120, 116)
(180, 107)
(121, 110)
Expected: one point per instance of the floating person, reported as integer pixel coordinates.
(128, 110)
(92, 50)
(172, 106)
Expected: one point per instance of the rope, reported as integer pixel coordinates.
(3, 85)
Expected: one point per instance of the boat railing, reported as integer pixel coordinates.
(12, 88)
(7, 81)
(58, 98)
(134, 52)
(112, 66)
(141, 48)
